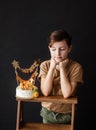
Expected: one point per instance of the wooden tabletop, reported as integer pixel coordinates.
(59, 99)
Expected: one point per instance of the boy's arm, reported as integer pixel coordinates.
(67, 87)
(47, 83)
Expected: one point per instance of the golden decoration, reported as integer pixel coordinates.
(16, 64)
(30, 83)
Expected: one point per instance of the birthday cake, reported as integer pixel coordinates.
(23, 93)
(29, 94)
(26, 88)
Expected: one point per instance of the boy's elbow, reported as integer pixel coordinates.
(66, 96)
(45, 94)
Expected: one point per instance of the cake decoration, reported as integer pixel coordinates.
(27, 88)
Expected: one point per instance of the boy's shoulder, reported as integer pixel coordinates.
(45, 62)
(74, 63)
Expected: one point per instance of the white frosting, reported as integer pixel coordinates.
(23, 93)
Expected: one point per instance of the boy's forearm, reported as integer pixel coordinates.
(48, 83)
(65, 84)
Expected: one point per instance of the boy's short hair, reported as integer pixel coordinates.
(59, 35)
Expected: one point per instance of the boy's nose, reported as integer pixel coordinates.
(57, 52)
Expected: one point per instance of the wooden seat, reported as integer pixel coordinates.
(41, 126)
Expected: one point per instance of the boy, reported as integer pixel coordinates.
(59, 76)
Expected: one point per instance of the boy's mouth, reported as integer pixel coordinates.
(58, 59)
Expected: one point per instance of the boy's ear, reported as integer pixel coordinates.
(49, 47)
(70, 48)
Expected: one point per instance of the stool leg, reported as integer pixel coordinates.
(73, 116)
(19, 114)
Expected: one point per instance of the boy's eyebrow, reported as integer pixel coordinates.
(59, 47)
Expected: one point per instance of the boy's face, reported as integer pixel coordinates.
(59, 51)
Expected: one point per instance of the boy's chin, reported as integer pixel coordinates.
(58, 61)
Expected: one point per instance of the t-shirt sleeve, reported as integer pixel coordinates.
(43, 70)
(77, 74)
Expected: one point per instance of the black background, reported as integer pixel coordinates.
(24, 28)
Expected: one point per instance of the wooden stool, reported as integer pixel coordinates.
(41, 126)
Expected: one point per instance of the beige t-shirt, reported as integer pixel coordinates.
(74, 73)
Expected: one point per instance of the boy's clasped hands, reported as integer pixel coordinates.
(58, 65)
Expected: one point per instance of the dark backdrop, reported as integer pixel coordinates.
(24, 27)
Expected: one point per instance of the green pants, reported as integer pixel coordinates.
(54, 117)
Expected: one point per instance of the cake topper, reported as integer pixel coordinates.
(34, 69)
